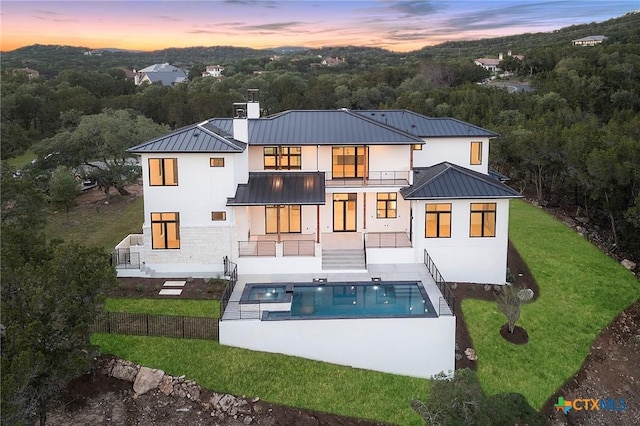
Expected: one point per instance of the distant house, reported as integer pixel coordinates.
(167, 74)
(589, 40)
(332, 62)
(213, 71)
(492, 64)
(30, 72)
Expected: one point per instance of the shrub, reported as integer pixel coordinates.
(510, 298)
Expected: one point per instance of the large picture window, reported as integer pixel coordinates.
(438, 221)
(483, 220)
(163, 171)
(386, 205)
(290, 219)
(165, 230)
(282, 158)
(349, 161)
(476, 153)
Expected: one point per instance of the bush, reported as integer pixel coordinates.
(461, 401)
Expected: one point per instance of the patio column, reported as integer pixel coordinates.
(278, 221)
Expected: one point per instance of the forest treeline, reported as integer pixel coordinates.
(572, 142)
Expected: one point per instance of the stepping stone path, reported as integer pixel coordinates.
(172, 288)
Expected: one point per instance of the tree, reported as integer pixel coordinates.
(510, 298)
(63, 188)
(48, 307)
(99, 143)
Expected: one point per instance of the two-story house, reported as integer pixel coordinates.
(282, 193)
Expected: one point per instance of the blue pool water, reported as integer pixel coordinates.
(345, 300)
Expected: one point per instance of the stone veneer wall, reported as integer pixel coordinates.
(198, 245)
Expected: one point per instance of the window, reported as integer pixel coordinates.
(282, 158)
(163, 171)
(165, 230)
(349, 161)
(216, 162)
(483, 220)
(290, 219)
(218, 215)
(416, 147)
(386, 206)
(476, 153)
(438, 221)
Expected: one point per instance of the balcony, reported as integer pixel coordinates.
(374, 178)
(267, 246)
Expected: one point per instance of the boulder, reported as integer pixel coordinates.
(630, 265)
(147, 379)
(124, 370)
(166, 385)
(226, 402)
(471, 354)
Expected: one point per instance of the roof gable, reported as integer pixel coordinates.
(447, 181)
(423, 126)
(202, 137)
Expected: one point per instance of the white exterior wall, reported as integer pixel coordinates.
(201, 190)
(454, 150)
(462, 258)
(389, 158)
(398, 224)
(424, 348)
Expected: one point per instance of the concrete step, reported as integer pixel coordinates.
(343, 259)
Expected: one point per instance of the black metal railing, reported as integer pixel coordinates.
(298, 248)
(443, 286)
(230, 271)
(238, 311)
(372, 178)
(387, 239)
(123, 258)
(157, 325)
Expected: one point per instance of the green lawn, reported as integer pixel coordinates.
(581, 292)
(98, 224)
(22, 160)
(189, 308)
(276, 378)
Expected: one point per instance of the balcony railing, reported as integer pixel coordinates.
(123, 258)
(373, 178)
(298, 248)
(257, 248)
(447, 302)
(386, 240)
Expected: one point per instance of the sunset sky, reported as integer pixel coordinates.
(394, 25)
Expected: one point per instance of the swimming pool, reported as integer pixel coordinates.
(382, 299)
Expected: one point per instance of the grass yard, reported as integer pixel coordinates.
(97, 224)
(581, 291)
(208, 308)
(276, 378)
(22, 160)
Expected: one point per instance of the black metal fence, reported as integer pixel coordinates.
(443, 286)
(231, 271)
(157, 325)
(123, 258)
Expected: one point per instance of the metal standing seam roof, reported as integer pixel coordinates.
(201, 137)
(324, 127)
(280, 188)
(446, 180)
(423, 126)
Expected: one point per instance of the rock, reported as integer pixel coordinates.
(124, 370)
(215, 400)
(147, 379)
(226, 402)
(184, 410)
(194, 392)
(471, 354)
(256, 399)
(247, 420)
(166, 385)
(628, 264)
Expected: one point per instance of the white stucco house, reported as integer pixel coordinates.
(320, 193)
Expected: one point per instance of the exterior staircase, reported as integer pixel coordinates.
(343, 259)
